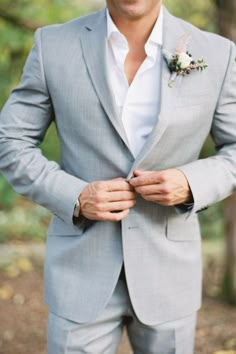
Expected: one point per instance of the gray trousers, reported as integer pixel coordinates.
(103, 335)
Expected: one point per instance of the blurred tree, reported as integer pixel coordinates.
(227, 25)
(16, 21)
(227, 18)
(200, 13)
(229, 285)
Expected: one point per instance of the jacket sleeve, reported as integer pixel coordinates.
(24, 121)
(214, 178)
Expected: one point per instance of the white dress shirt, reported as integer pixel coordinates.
(139, 103)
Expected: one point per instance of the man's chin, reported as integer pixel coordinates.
(133, 13)
(134, 10)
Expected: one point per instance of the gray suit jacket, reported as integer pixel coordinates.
(65, 80)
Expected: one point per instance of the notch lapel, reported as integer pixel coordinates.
(94, 46)
(173, 32)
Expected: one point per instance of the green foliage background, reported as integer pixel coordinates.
(16, 39)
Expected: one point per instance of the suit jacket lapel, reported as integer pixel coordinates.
(172, 34)
(94, 46)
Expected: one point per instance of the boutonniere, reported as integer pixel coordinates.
(181, 63)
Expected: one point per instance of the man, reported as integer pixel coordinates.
(131, 126)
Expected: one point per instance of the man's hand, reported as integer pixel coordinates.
(168, 187)
(107, 200)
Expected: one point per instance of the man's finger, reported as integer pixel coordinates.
(118, 179)
(146, 178)
(151, 189)
(109, 216)
(114, 206)
(117, 185)
(119, 196)
(140, 173)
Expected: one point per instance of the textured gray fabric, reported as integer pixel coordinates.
(102, 336)
(65, 80)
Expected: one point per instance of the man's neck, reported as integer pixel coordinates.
(137, 31)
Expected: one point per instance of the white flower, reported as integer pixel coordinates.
(184, 60)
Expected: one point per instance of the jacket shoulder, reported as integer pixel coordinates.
(70, 28)
(205, 38)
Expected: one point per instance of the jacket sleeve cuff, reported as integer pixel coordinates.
(198, 186)
(67, 194)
